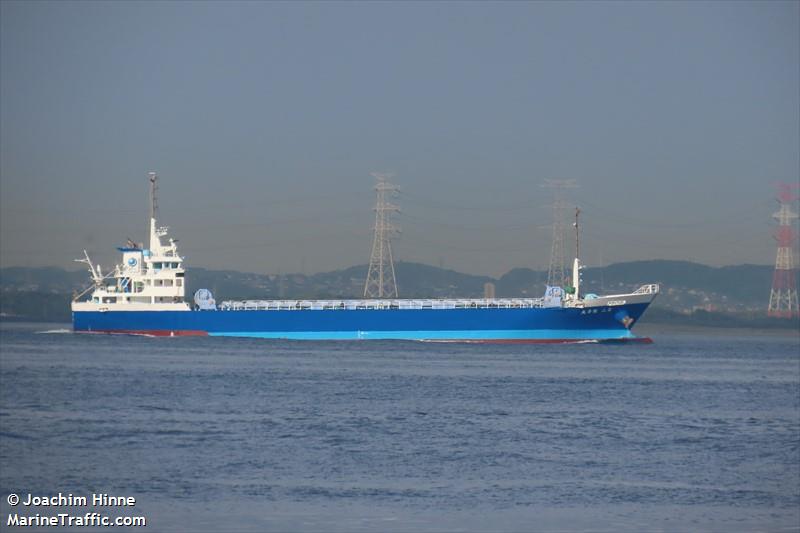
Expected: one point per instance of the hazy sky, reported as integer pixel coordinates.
(265, 119)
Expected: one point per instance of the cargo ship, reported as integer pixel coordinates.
(145, 295)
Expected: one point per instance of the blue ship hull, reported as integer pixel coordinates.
(470, 325)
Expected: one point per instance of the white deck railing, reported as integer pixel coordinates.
(652, 288)
(449, 303)
(293, 305)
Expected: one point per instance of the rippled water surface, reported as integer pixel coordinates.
(694, 432)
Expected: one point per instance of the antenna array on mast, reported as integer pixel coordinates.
(381, 281)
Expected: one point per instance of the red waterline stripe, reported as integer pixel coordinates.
(200, 333)
(150, 333)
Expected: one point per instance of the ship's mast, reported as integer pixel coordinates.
(576, 266)
(153, 209)
(577, 234)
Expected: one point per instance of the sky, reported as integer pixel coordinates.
(265, 120)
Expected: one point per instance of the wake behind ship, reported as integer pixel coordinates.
(145, 294)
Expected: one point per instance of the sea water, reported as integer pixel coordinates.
(695, 431)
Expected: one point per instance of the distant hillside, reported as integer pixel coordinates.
(44, 279)
(745, 283)
(687, 288)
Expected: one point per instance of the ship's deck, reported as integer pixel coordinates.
(427, 303)
(288, 305)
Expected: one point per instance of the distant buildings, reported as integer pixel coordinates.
(488, 290)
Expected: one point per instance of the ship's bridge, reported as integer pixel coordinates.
(147, 278)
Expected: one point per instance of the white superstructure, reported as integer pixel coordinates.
(148, 279)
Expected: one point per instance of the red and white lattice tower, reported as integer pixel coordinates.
(783, 297)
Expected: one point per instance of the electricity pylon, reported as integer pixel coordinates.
(555, 272)
(381, 281)
(783, 296)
